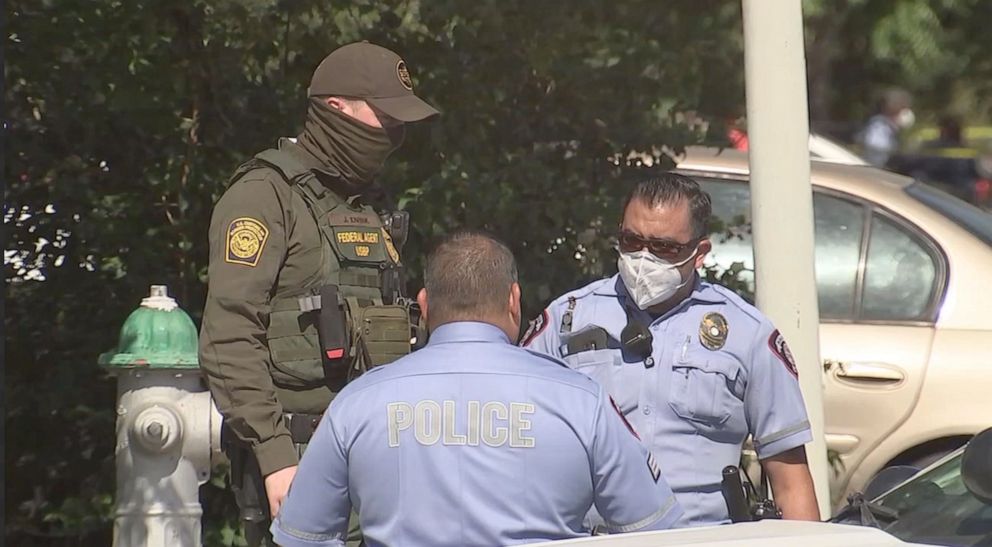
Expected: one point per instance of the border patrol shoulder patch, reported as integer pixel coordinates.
(246, 239)
(776, 342)
(536, 327)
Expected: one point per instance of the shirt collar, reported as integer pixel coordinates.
(467, 331)
(292, 147)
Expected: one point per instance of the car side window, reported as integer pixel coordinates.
(839, 228)
(730, 232)
(900, 275)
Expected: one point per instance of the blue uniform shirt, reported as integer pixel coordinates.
(719, 370)
(472, 441)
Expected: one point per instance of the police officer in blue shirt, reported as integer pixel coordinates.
(695, 368)
(472, 440)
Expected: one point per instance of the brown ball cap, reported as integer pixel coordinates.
(373, 73)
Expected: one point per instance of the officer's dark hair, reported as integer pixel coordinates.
(468, 277)
(670, 188)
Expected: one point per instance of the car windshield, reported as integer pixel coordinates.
(936, 508)
(969, 217)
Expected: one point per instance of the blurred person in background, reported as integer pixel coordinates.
(950, 135)
(880, 136)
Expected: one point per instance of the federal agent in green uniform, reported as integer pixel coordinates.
(305, 275)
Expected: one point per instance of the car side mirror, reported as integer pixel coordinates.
(976, 466)
(887, 479)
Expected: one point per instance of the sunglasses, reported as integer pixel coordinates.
(629, 242)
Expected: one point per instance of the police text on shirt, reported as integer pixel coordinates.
(493, 423)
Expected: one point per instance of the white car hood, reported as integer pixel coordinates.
(770, 533)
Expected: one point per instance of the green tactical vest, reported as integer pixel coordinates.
(356, 252)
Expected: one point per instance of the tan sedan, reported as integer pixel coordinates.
(904, 278)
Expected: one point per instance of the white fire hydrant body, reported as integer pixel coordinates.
(168, 429)
(163, 452)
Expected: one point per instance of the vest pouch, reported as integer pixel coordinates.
(383, 333)
(295, 348)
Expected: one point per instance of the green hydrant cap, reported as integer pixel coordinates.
(159, 334)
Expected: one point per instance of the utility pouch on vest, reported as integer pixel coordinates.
(381, 333)
(294, 344)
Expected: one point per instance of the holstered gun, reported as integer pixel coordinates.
(732, 489)
(248, 487)
(744, 502)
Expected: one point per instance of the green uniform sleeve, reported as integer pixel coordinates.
(247, 247)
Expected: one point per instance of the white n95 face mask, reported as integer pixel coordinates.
(906, 118)
(650, 280)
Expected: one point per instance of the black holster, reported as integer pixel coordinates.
(248, 486)
(732, 489)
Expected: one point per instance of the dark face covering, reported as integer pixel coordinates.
(355, 150)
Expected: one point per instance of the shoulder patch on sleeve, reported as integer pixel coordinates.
(536, 327)
(245, 241)
(776, 342)
(623, 418)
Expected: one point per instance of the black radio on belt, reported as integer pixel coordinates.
(332, 329)
(397, 225)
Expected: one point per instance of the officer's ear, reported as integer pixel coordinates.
(515, 302)
(339, 104)
(422, 302)
(705, 246)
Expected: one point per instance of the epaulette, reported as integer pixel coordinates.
(582, 292)
(570, 300)
(545, 356)
(735, 300)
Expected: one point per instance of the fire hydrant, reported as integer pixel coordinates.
(168, 429)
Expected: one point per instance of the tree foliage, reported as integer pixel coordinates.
(126, 119)
(938, 50)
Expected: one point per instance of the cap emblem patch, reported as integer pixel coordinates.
(404, 75)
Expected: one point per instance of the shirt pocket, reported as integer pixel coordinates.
(606, 366)
(704, 391)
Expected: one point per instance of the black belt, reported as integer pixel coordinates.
(302, 426)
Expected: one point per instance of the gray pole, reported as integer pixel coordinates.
(781, 200)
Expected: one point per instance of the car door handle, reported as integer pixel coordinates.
(869, 373)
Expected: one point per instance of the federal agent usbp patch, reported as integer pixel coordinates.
(245, 241)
